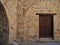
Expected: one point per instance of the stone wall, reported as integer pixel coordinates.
(10, 7)
(57, 23)
(23, 21)
(27, 10)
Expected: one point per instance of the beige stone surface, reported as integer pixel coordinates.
(24, 22)
(10, 7)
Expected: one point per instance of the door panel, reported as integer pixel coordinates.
(45, 26)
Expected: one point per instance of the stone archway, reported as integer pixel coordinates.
(4, 26)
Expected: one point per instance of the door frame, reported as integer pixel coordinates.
(52, 21)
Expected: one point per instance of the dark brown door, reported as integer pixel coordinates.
(45, 26)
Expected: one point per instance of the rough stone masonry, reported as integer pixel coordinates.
(23, 21)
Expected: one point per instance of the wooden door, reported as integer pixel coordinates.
(45, 26)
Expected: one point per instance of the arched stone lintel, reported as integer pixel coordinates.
(6, 8)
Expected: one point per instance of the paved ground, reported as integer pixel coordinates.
(39, 43)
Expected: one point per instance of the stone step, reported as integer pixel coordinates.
(46, 39)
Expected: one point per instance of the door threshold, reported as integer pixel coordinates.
(46, 39)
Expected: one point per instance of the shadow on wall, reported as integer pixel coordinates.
(4, 26)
